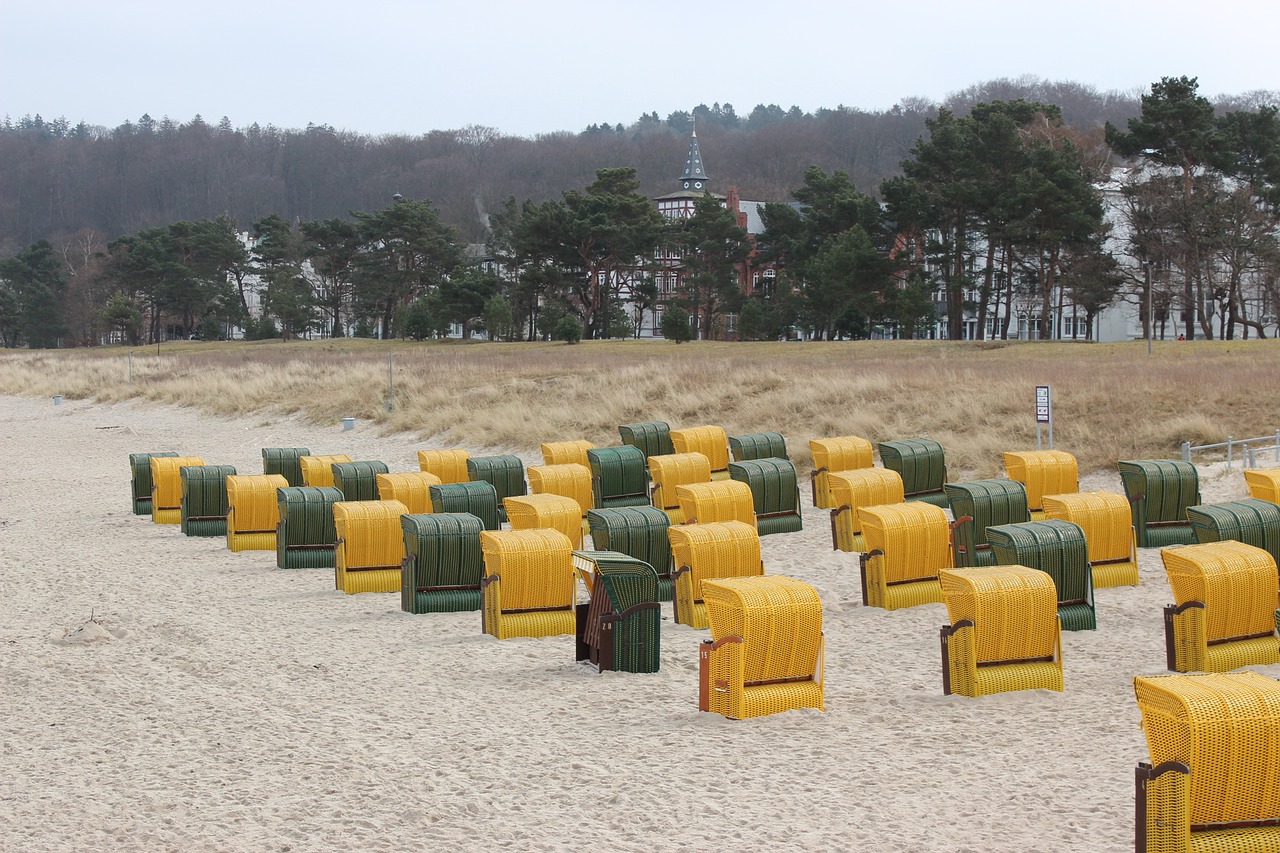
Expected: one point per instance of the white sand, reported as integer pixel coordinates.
(217, 703)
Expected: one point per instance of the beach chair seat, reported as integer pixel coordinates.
(253, 511)
(1159, 491)
(442, 563)
(411, 488)
(166, 487)
(923, 467)
(1057, 548)
(318, 470)
(1225, 611)
(757, 445)
(723, 500)
(852, 490)
(1004, 633)
(546, 511)
(504, 473)
(480, 499)
(1251, 521)
(978, 505)
(710, 441)
(140, 468)
(449, 465)
(908, 544)
(766, 652)
(652, 438)
(619, 476)
(775, 494)
(305, 535)
(674, 470)
(1214, 743)
(619, 627)
(1263, 484)
(369, 554)
(701, 552)
(1043, 472)
(569, 480)
(637, 531)
(841, 453)
(1108, 531)
(528, 584)
(566, 452)
(204, 499)
(284, 461)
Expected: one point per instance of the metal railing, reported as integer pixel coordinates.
(1249, 449)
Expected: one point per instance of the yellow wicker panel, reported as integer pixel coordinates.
(370, 546)
(914, 536)
(166, 487)
(725, 500)
(569, 480)
(1237, 583)
(449, 465)
(530, 572)
(1264, 484)
(565, 452)
(1043, 472)
(676, 469)
(710, 441)
(552, 512)
(253, 511)
(701, 552)
(843, 453)
(852, 489)
(1014, 610)
(318, 470)
(1107, 523)
(411, 488)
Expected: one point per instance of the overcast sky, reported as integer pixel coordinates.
(399, 66)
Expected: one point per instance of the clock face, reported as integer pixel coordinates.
(697, 185)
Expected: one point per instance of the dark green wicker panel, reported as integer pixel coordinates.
(443, 563)
(306, 536)
(358, 481)
(1251, 521)
(204, 499)
(1159, 492)
(478, 498)
(1057, 548)
(653, 438)
(758, 445)
(140, 466)
(639, 532)
(987, 502)
(922, 466)
(284, 461)
(630, 582)
(619, 476)
(775, 495)
(504, 473)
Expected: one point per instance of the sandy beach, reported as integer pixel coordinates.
(163, 693)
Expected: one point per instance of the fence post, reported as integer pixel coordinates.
(1230, 444)
(1186, 451)
(1245, 455)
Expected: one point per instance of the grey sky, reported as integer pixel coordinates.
(395, 66)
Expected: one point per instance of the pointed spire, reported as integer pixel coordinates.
(695, 175)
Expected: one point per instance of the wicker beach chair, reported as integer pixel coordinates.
(449, 465)
(619, 476)
(1210, 786)
(980, 504)
(710, 441)
(1057, 548)
(1160, 490)
(619, 627)
(411, 488)
(369, 555)
(1043, 472)
(1264, 484)
(318, 470)
(842, 453)
(1108, 530)
(544, 511)
(1225, 612)
(757, 445)
(637, 531)
(528, 586)
(140, 468)
(166, 487)
(358, 481)
(852, 490)
(1251, 521)
(775, 494)
(284, 461)
(1004, 633)
(204, 499)
(673, 470)
(565, 452)
(253, 511)
(701, 552)
(442, 563)
(652, 438)
(504, 473)
(569, 480)
(723, 500)
(305, 535)
(923, 467)
(908, 545)
(766, 651)
(479, 499)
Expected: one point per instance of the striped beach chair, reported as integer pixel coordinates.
(253, 511)
(442, 563)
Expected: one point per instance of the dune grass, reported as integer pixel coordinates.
(1111, 401)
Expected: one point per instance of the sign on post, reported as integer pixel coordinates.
(1044, 413)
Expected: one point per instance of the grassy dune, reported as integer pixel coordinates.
(1111, 401)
